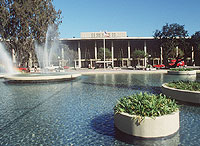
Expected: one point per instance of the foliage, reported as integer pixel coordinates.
(181, 69)
(196, 37)
(172, 54)
(185, 85)
(144, 104)
(195, 41)
(24, 21)
(171, 36)
(101, 53)
(139, 54)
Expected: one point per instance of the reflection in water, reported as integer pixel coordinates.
(81, 112)
(104, 124)
(173, 140)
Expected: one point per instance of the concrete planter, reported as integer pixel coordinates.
(150, 127)
(182, 95)
(171, 72)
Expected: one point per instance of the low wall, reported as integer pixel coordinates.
(182, 95)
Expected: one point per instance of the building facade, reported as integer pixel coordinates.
(120, 45)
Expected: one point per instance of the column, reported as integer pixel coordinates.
(161, 55)
(62, 53)
(112, 50)
(104, 52)
(79, 54)
(193, 63)
(74, 63)
(176, 51)
(95, 50)
(129, 54)
(62, 57)
(145, 51)
(91, 63)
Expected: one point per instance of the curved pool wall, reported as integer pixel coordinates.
(80, 112)
(40, 77)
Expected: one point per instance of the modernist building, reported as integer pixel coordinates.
(120, 45)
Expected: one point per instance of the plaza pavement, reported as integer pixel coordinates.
(115, 71)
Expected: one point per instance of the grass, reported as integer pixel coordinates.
(181, 69)
(185, 85)
(144, 104)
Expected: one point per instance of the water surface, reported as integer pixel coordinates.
(80, 112)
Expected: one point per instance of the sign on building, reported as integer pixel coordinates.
(103, 34)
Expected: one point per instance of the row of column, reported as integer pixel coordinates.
(129, 53)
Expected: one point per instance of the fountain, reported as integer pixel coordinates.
(45, 53)
(6, 65)
(45, 60)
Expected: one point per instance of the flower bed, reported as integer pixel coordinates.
(181, 71)
(183, 90)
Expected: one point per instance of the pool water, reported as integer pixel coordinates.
(80, 112)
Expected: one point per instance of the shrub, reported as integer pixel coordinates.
(139, 54)
(144, 104)
(101, 53)
(185, 85)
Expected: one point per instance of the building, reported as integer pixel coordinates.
(120, 45)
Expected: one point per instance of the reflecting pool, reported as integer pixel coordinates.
(80, 112)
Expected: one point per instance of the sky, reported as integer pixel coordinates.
(139, 18)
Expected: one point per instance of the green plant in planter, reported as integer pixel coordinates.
(185, 85)
(144, 104)
(181, 69)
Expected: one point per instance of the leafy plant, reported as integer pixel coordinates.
(185, 85)
(139, 54)
(144, 104)
(181, 69)
(101, 53)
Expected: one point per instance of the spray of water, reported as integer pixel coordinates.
(45, 53)
(6, 61)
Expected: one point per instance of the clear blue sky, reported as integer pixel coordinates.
(136, 17)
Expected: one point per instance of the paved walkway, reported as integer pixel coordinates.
(115, 71)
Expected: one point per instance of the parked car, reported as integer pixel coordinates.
(172, 62)
(66, 67)
(180, 63)
(23, 69)
(159, 66)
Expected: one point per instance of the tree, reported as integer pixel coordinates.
(195, 41)
(138, 54)
(101, 53)
(171, 36)
(24, 21)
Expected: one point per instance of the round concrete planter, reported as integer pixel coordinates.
(149, 127)
(171, 72)
(182, 95)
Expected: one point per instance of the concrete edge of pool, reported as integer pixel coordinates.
(39, 78)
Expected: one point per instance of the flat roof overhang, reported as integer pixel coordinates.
(121, 38)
